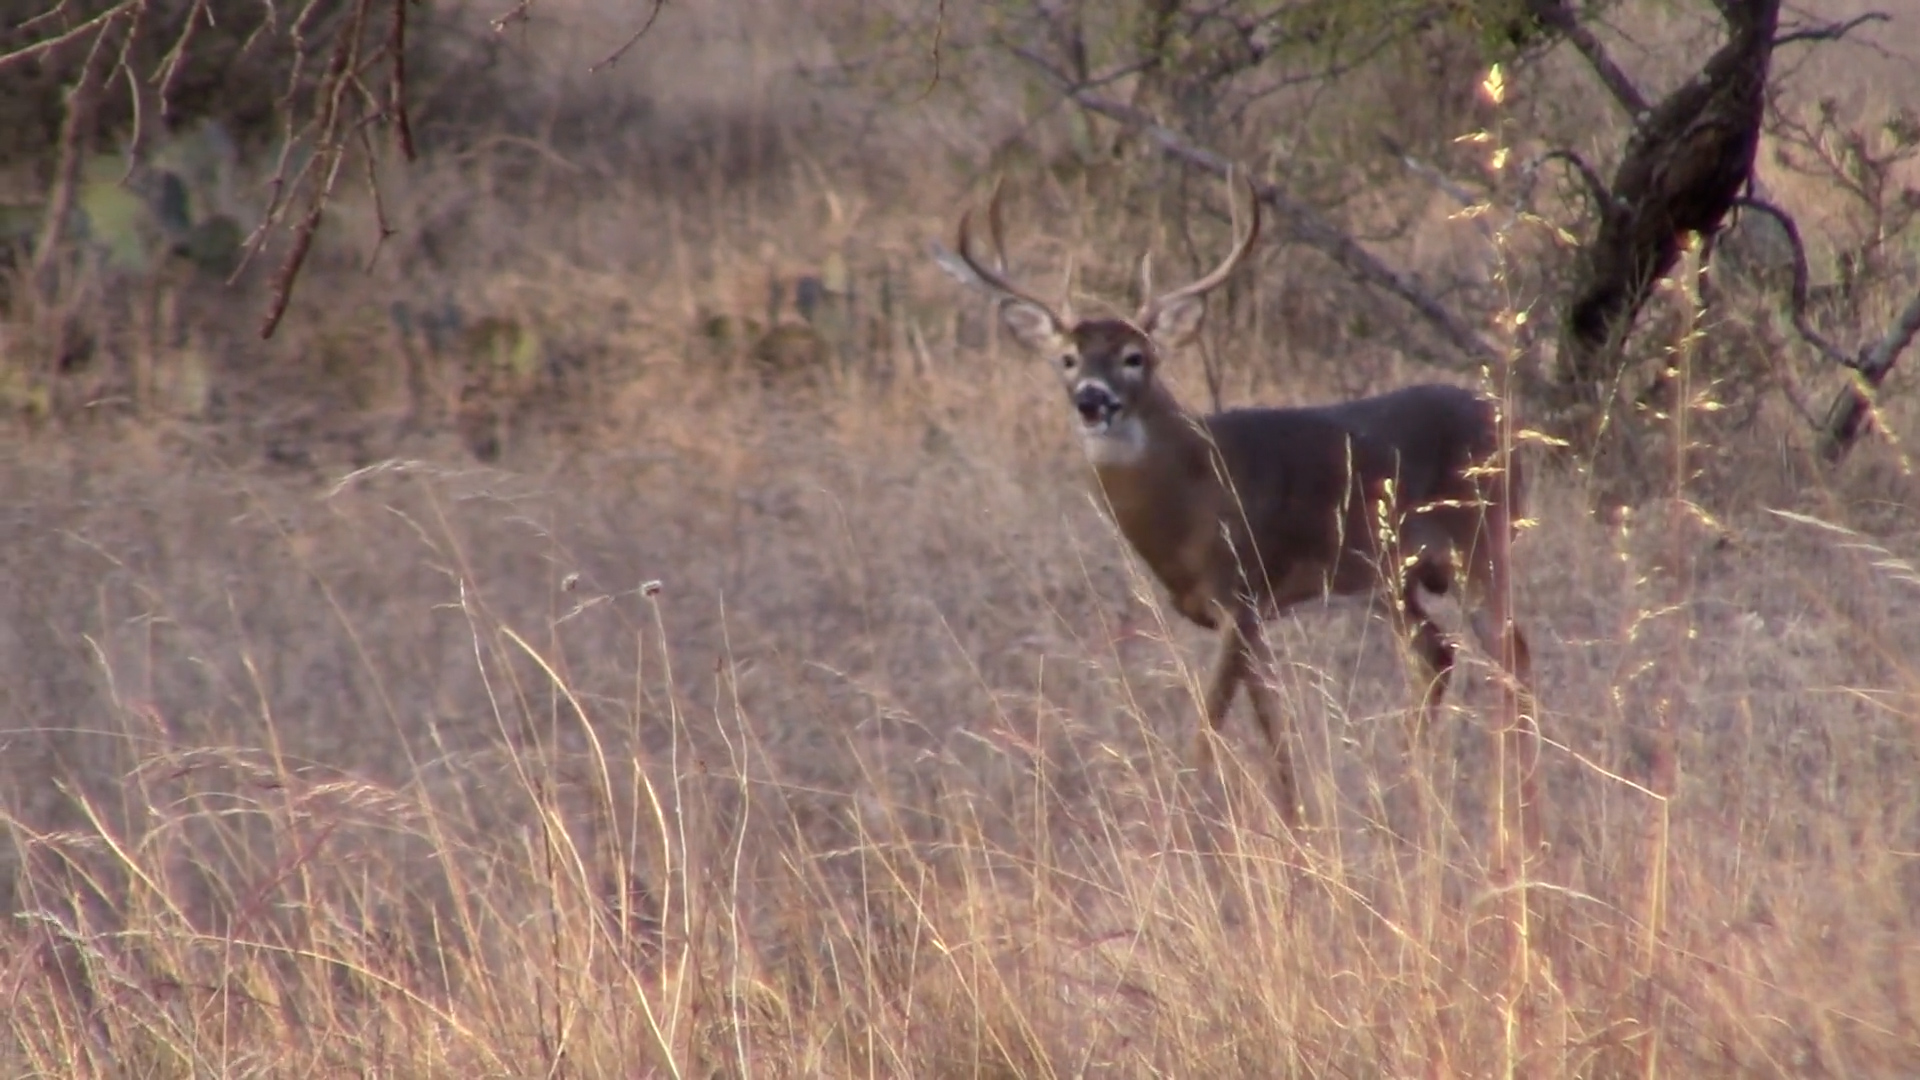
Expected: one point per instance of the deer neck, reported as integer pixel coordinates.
(1155, 468)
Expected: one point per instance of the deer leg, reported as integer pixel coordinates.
(1229, 667)
(1243, 653)
(1434, 650)
(1260, 667)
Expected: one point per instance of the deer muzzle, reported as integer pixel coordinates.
(1096, 403)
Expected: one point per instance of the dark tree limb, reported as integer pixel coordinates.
(1589, 177)
(1681, 173)
(1560, 17)
(634, 38)
(1832, 31)
(1431, 173)
(1306, 224)
(1851, 414)
(1797, 298)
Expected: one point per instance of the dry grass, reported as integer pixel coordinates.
(413, 769)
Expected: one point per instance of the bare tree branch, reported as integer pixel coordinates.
(1851, 415)
(1687, 162)
(1560, 17)
(1880, 357)
(1306, 223)
(1595, 185)
(1798, 298)
(1431, 173)
(74, 129)
(632, 39)
(41, 48)
(397, 85)
(1833, 31)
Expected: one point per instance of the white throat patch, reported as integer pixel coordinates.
(1120, 443)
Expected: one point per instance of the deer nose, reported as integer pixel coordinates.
(1094, 401)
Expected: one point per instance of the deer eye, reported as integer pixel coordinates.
(1133, 359)
(1069, 361)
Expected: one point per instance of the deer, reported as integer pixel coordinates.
(1244, 513)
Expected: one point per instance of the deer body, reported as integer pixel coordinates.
(1285, 503)
(1244, 513)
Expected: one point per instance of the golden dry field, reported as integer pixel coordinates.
(544, 658)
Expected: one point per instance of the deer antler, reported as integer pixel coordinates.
(1212, 281)
(996, 278)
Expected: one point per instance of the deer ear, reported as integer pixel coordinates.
(1174, 325)
(1032, 326)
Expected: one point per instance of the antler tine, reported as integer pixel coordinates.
(996, 224)
(996, 279)
(1220, 273)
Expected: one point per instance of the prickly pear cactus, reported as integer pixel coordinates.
(175, 205)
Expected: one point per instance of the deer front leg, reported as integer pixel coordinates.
(1246, 656)
(1229, 667)
(1260, 667)
(1436, 652)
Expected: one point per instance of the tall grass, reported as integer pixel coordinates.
(425, 774)
(825, 728)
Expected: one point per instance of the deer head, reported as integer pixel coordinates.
(1108, 366)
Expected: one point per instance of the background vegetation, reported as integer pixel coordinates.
(632, 616)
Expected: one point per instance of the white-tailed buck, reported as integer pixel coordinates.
(1244, 513)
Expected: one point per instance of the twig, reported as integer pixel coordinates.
(41, 48)
(290, 270)
(120, 66)
(170, 64)
(1431, 174)
(939, 38)
(383, 224)
(1307, 224)
(1798, 299)
(330, 143)
(632, 40)
(1788, 383)
(397, 86)
(519, 13)
(1595, 185)
(74, 130)
(33, 22)
(1832, 31)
